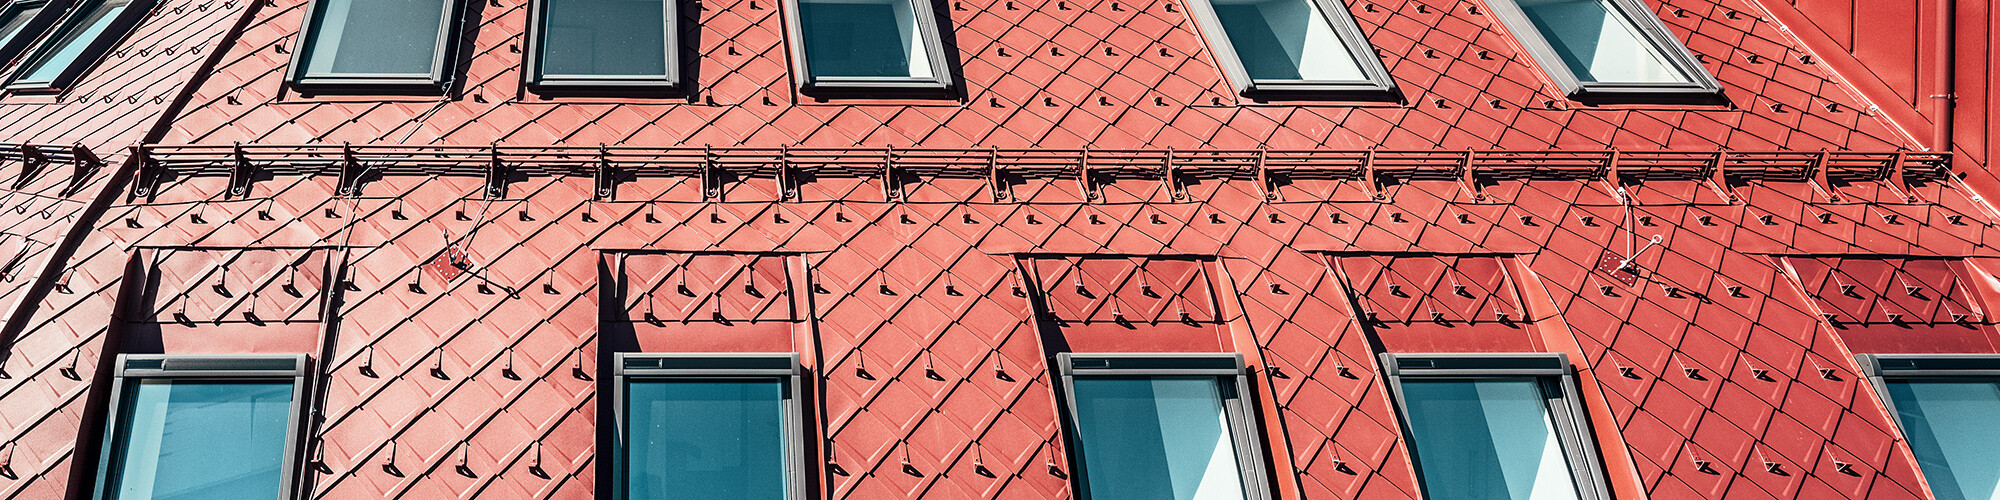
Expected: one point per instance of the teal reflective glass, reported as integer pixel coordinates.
(1950, 425)
(374, 37)
(863, 38)
(1155, 438)
(1489, 438)
(704, 439)
(17, 17)
(194, 439)
(1286, 40)
(63, 50)
(604, 38)
(1598, 43)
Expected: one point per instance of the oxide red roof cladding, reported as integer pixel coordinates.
(1468, 84)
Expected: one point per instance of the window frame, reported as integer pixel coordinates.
(1245, 433)
(531, 67)
(1701, 88)
(131, 367)
(93, 52)
(1552, 369)
(1378, 85)
(450, 24)
(31, 30)
(926, 19)
(738, 366)
(1881, 367)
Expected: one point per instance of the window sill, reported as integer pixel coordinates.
(556, 88)
(313, 85)
(837, 87)
(1674, 95)
(34, 88)
(1365, 93)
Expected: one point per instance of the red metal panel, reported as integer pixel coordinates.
(924, 346)
(1133, 76)
(704, 287)
(1895, 305)
(232, 286)
(1128, 304)
(927, 351)
(1138, 290)
(1439, 303)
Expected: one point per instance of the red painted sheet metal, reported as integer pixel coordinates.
(926, 353)
(704, 287)
(1896, 305)
(1102, 74)
(1126, 304)
(702, 302)
(232, 286)
(119, 101)
(898, 272)
(1431, 303)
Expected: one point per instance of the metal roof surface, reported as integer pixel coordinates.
(1105, 74)
(1097, 186)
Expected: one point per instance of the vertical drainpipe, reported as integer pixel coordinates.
(1945, 74)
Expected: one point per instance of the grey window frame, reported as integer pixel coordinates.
(1241, 409)
(1701, 89)
(449, 29)
(782, 366)
(1377, 86)
(941, 78)
(1880, 367)
(208, 366)
(32, 30)
(92, 54)
(532, 67)
(1553, 369)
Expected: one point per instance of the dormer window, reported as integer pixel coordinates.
(375, 42)
(1608, 51)
(1298, 47)
(604, 43)
(81, 38)
(1496, 425)
(16, 19)
(873, 44)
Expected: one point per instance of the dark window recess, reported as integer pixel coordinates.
(1499, 426)
(1608, 51)
(881, 44)
(1944, 404)
(20, 23)
(202, 427)
(1167, 426)
(375, 42)
(1304, 47)
(615, 43)
(85, 33)
(708, 426)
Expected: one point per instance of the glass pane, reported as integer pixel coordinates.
(1598, 43)
(63, 50)
(200, 439)
(1486, 439)
(700, 439)
(381, 37)
(846, 38)
(17, 18)
(604, 38)
(1150, 438)
(1286, 40)
(1950, 427)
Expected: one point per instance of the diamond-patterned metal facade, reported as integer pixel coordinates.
(457, 267)
(1103, 74)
